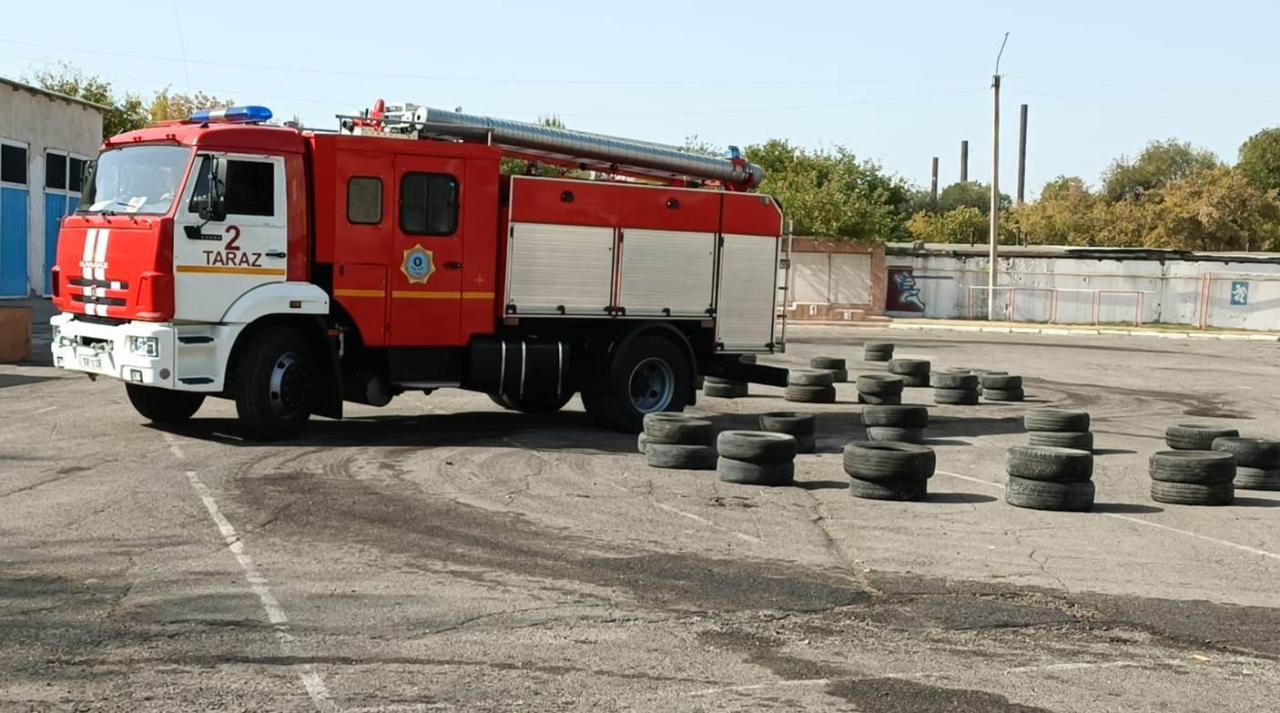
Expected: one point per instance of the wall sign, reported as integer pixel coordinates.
(1239, 294)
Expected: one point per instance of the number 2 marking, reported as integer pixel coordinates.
(234, 234)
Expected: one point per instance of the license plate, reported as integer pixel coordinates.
(90, 362)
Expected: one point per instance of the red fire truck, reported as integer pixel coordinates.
(293, 270)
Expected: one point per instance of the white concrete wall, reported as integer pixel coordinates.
(830, 278)
(1172, 290)
(44, 122)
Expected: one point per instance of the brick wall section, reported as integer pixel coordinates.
(839, 312)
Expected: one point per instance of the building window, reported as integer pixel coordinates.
(428, 204)
(364, 200)
(13, 164)
(55, 170)
(75, 174)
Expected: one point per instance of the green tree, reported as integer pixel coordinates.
(1160, 163)
(1260, 159)
(965, 224)
(169, 106)
(970, 194)
(123, 114)
(1067, 213)
(1216, 209)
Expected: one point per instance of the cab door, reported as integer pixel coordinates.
(426, 256)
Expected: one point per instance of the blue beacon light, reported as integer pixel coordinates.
(232, 115)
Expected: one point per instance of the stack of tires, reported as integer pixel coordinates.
(1195, 437)
(1257, 461)
(879, 389)
(1059, 428)
(1045, 478)
(999, 386)
(673, 440)
(914, 372)
(898, 423)
(957, 387)
(801, 426)
(889, 471)
(724, 388)
(1193, 477)
(810, 386)
(877, 351)
(756, 457)
(839, 371)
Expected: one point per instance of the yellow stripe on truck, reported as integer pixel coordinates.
(219, 270)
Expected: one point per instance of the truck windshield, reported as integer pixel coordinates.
(135, 179)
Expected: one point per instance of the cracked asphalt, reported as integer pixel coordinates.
(440, 554)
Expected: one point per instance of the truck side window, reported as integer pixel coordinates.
(251, 188)
(364, 200)
(428, 204)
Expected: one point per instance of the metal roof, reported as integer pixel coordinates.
(52, 95)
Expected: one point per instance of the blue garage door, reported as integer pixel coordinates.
(55, 206)
(13, 220)
(63, 173)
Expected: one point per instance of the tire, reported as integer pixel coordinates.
(880, 462)
(956, 397)
(902, 489)
(642, 442)
(638, 366)
(880, 399)
(1192, 493)
(1003, 394)
(912, 367)
(879, 384)
(273, 385)
(1193, 467)
(1257, 479)
(1041, 495)
(839, 376)
(1195, 437)
(678, 429)
(983, 372)
(163, 406)
(810, 377)
(1081, 441)
(877, 351)
(954, 380)
(895, 434)
(828, 363)
(743, 473)
(756, 446)
(1048, 465)
(916, 381)
(532, 404)
(1263, 453)
(810, 394)
(796, 424)
(680, 456)
(908, 416)
(725, 390)
(1054, 419)
(747, 359)
(1000, 382)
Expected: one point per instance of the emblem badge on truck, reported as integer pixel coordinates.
(418, 265)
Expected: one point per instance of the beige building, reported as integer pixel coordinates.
(45, 140)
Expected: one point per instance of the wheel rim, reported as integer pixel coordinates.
(288, 386)
(652, 385)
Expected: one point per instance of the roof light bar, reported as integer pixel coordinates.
(232, 115)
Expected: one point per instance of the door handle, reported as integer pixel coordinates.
(453, 265)
(274, 253)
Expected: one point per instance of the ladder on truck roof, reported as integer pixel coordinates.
(577, 149)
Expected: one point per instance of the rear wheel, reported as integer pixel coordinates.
(531, 404)
(648, 375)
(273, 385)
(163, 405)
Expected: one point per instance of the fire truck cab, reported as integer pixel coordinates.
(292, 271)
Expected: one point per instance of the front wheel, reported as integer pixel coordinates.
(163, 406)
(273, 385)
(648, 375)
(531, 404)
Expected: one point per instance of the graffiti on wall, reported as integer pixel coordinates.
(904, 292)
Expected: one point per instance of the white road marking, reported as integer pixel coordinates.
(704, 521)
(46, 409)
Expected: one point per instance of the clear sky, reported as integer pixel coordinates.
(896, 82)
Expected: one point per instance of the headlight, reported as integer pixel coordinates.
(144, 346)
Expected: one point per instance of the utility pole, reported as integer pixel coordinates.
(933, 182)
(995, 186)
(1022, 156)
(964, 161)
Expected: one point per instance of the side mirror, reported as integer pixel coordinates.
(215, 208)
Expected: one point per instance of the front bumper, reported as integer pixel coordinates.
(102, 349)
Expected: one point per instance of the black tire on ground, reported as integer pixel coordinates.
(1192, 493)
(629, 387)
(982, 372)
(1081, 440)
(879, 399)
(796, 424)
(903, 416)
(956, 397)
(743, 473)
(531, 404)
(273, 385)
(895, 434)
(1261, 453)
(1042, 495)
(913, 367)
(829, 363)
(879, 384)
(747, 359)
(1003, 394)
(1195, 467)
(1257, 479)
(642, 442)
(723, 390)
(916, 381)
(839, 376)
(877, 356)
(677, 428)
(888, 461)
(810, 394)
(1195, 437)
(810, 377)
(954, 380)
(1050, 465)
(901, 489)
(163, 406)
(1056, 419)
(681, 456)
(1001, 382)
(756, 446)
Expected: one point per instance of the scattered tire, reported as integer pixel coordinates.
(1079, 440)
(956, 397)
(756, 446)
(725, 390)
(904, 416)
(810, 394)
(909, 489)
(810, 377)
(912, 367)
(1195, 437)
(828, 363)
(747, 358)
(1042, 495)
(916, 381)
(642, 442)
(880, 462)
(879, 384)
(1049, 465)
(1257, 479)
(877, 351)
(1055, 419)
(675, 428)
(1000, 382)
(895, 434)
(796, 424)
(743, 473)
(954, 380)
(880, 399)
(1194, 467)
(1261, 453)
(680, 456)
(1192, 493)
(1003, 394)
